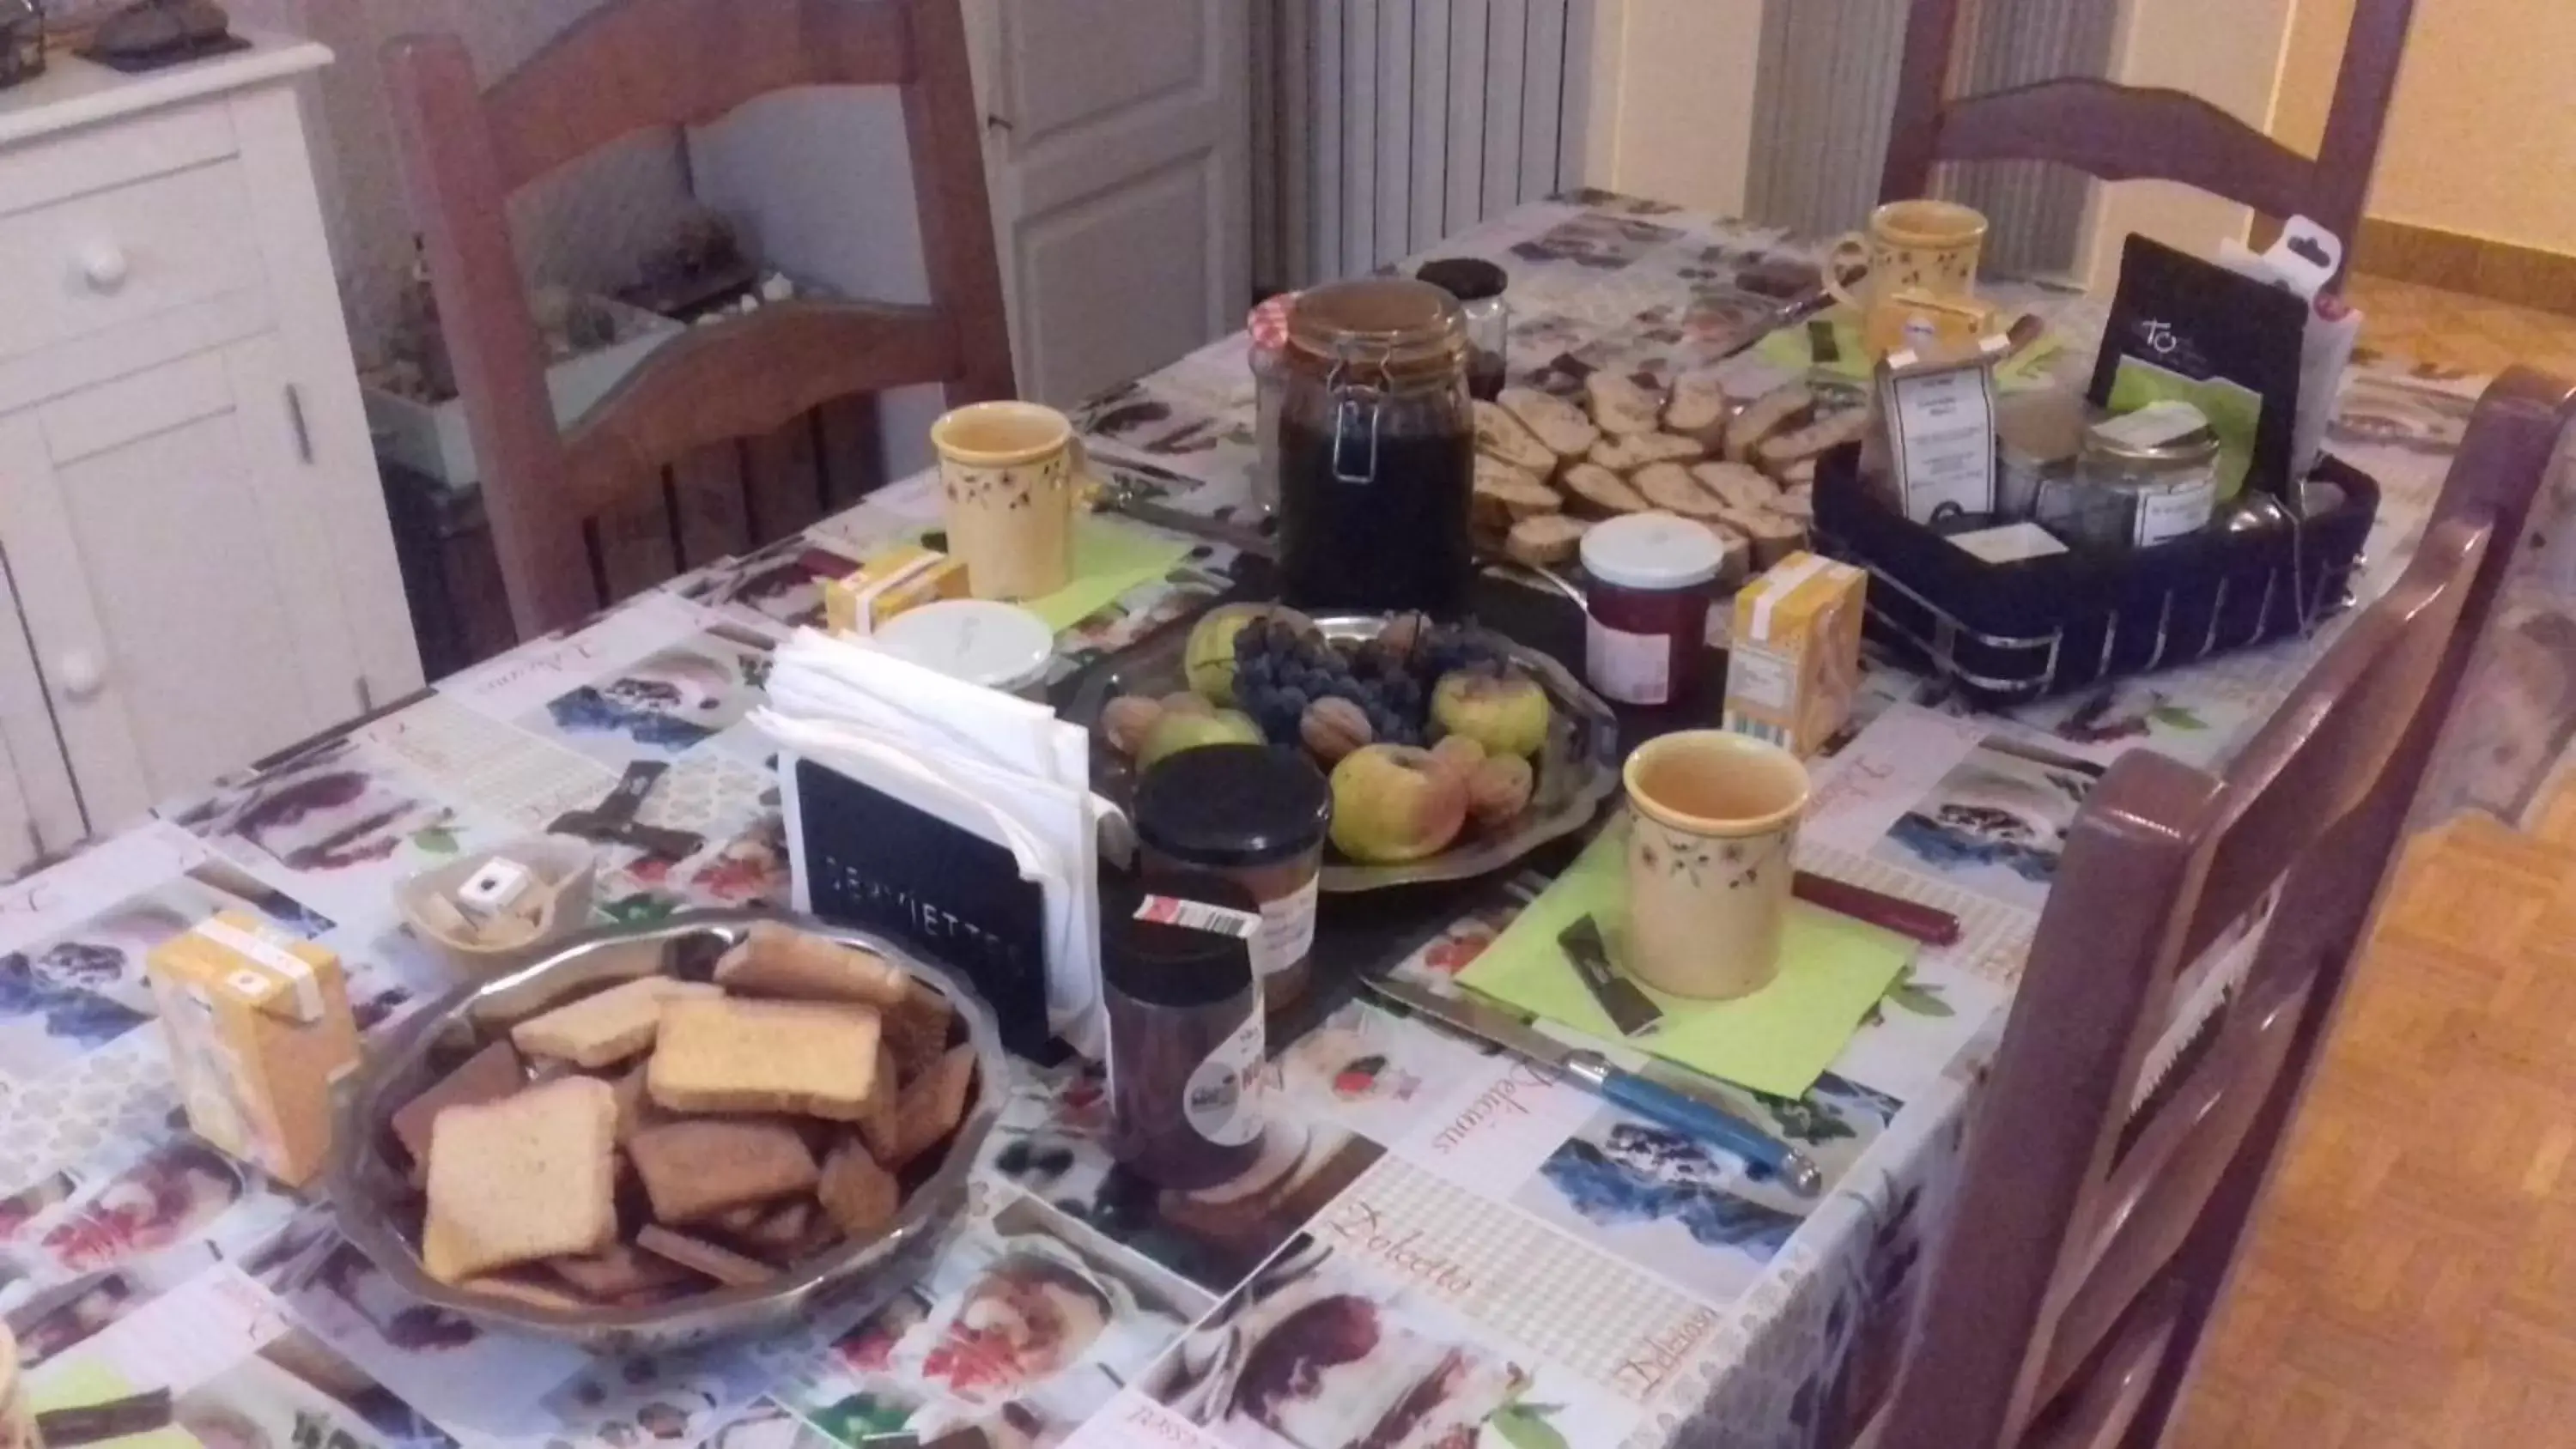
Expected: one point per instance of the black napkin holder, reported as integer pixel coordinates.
(876, 863)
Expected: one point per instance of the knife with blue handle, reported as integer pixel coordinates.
(1700, 1120)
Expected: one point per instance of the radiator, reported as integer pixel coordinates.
(1826, 89)
(1382, 126)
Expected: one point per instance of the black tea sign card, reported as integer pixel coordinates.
(879, 864)
(2187, 330)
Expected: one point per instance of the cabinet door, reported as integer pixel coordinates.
(43, 812)
(176, 576)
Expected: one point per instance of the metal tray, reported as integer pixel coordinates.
(1576, 772)
(369, 1182)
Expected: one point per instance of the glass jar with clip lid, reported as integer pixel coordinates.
(1377, 446)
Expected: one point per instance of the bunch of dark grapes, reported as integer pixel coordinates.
(1448, 649)
(1279, 670)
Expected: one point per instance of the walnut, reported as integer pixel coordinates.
(1333, 728)
(1498, 789)
(1128, 719)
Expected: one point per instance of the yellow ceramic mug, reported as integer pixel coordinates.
(1714, 822)
(1008, 473)
(1928, 248)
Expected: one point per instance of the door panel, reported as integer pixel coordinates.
(1120, 295)
(17, 831)
(1098, 57)
(182, 603)
(33, 770)
(1118, 154)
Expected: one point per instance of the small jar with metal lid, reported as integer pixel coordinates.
(1478, 285)
(1255, 815)
(1377, 448)
(2142, 478)
(1186, 1042)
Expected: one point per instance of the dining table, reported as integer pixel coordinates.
(1436, 1246)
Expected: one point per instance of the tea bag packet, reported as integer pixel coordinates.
(2186, 330)
(2302, 262)
(1930, 449)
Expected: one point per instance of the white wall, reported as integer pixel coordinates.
(2227, 52)
(1671, 107)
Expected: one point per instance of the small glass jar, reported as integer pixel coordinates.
(1377, 449)
(1256, 816)
(1478, 285)
(1650, 580)
(1267, 328)
(1185, 1028)
(2144, 478)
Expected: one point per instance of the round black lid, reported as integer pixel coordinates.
(1174, 965)
(1469, 279)
(1233, 805)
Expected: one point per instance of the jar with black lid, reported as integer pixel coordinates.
(1377, 448)
(1478, 285)
(1257, 816)
(1186, 1043)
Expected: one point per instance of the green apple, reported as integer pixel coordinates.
(1177, 731)
(1394, 803)
(1507, 714)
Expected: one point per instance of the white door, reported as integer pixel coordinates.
(173, 563)
(1117, 146)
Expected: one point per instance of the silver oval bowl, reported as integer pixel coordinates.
(370, 1185)
(1576, 772)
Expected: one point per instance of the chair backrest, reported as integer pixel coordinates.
(2119, 133)
(2184, 972)
(636, 65)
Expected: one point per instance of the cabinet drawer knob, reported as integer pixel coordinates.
(104, 267)
(80, 673)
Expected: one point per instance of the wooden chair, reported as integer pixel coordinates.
(2121, 133)
(641, 64)
(2099, 1213)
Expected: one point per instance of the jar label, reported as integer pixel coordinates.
(1630, 668)
(2176, 508)
(1287, 929)
(1222, 1098)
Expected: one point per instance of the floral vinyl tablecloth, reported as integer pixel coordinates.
(1435, 1247)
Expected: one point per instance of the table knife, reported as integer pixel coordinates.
(1691, 1116)
(1124, 492)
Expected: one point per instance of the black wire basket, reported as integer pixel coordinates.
(2007, 633)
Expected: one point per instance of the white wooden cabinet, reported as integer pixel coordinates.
(199, 566)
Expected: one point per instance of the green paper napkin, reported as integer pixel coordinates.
(1108, 560)
(1788, 348)
(1777, 1040)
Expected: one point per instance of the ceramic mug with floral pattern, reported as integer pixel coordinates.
(1713, 824)
(1923, 249)
(1008, 473)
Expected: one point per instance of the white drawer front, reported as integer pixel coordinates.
(120, 255)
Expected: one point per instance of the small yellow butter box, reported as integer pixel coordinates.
(258, 1025)
(900, 579)
(1793, 665)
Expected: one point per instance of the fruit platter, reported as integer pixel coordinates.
(1451, 751)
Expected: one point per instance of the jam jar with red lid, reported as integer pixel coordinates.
(1651, 578)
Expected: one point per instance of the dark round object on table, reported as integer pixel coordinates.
(1164, 964)
(1469, 279)
(1229, 806)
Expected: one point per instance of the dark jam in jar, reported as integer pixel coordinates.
(1376, 450)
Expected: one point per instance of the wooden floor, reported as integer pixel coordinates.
(2413, 1278)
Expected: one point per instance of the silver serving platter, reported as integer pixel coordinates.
(369, 1180)
(1575, 773)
